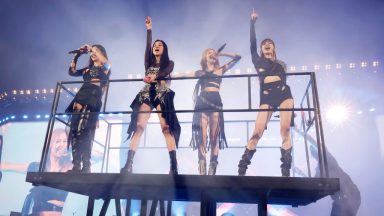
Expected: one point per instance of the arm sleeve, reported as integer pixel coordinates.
(148, 49)
(73, 71)
(166, 71)
(255, 55)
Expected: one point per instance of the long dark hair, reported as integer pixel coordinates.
(164, 60)
(103, 51)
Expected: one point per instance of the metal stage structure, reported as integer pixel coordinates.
(208, 190)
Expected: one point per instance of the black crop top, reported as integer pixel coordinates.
(95, 72)
(265, 67)
(210, 79)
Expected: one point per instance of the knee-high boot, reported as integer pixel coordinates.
(213, 165)
(173, 163)
(76, 156)
(286, 161)
(202, 162)
(127, 169)
(245, 161)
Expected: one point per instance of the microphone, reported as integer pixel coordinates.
(75, 52)
(79, 51)
(221, 48)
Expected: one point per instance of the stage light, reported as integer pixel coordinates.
(44, 91)
(292, 68)
(328, 67)
(21, 92)
(46, 116)
(249, 70)
(363, 64)
(337, 114)
(14, 92)
(37, 91)
(372, 109)
(338, 66)
(304, 67)
(316, 67)
(13, 117)
(28, 92)
(64, 115)
(101, 114)
(25, 116)
(352, 65)
(6, 118)
(38, 116)
(359, 112)
(51, 91)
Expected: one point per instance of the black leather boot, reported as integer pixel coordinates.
(202, 167)
(127, 169)
(245, 161)
(286, 161)
(76, 157)
(212, 167)
(173, 160)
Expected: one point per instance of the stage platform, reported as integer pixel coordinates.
(208, 190)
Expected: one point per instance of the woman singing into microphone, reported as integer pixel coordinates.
(155, 94)
(87, 103)
(207, 115)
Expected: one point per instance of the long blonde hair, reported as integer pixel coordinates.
(203, 61)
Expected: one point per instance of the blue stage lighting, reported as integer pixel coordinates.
(38, 116)
(25, 116)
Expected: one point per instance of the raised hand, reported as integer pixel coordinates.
(254, 15)
(148, 22)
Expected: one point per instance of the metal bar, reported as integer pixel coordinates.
(104, 208)
(319, 122)
(91, 203)
(118, 207)
(48, 135)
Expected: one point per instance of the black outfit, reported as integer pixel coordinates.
(157, 93)
(207, 102)
(273, 93)
(38, 197)
(83, 122)
(154, 94)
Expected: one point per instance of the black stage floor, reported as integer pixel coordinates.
(293, 191)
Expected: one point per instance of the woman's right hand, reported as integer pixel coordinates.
(148, 22)
(254, 15)
(86, 48)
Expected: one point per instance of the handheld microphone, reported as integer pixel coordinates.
(74, 52)
(79, 51)
(221, 48)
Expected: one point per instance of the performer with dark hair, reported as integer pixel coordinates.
(207, 115)
(87, 103)
(274, 93)
(155, 94)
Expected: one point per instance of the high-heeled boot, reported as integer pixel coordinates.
(286, 161)
(76, 157)
(173, 163)
(202, 167)
(245, 161)
(127, 169)
(213, 165)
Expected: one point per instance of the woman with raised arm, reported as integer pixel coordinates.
(155, 94)
(87, 103)
(208, 106)
(274, 93)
